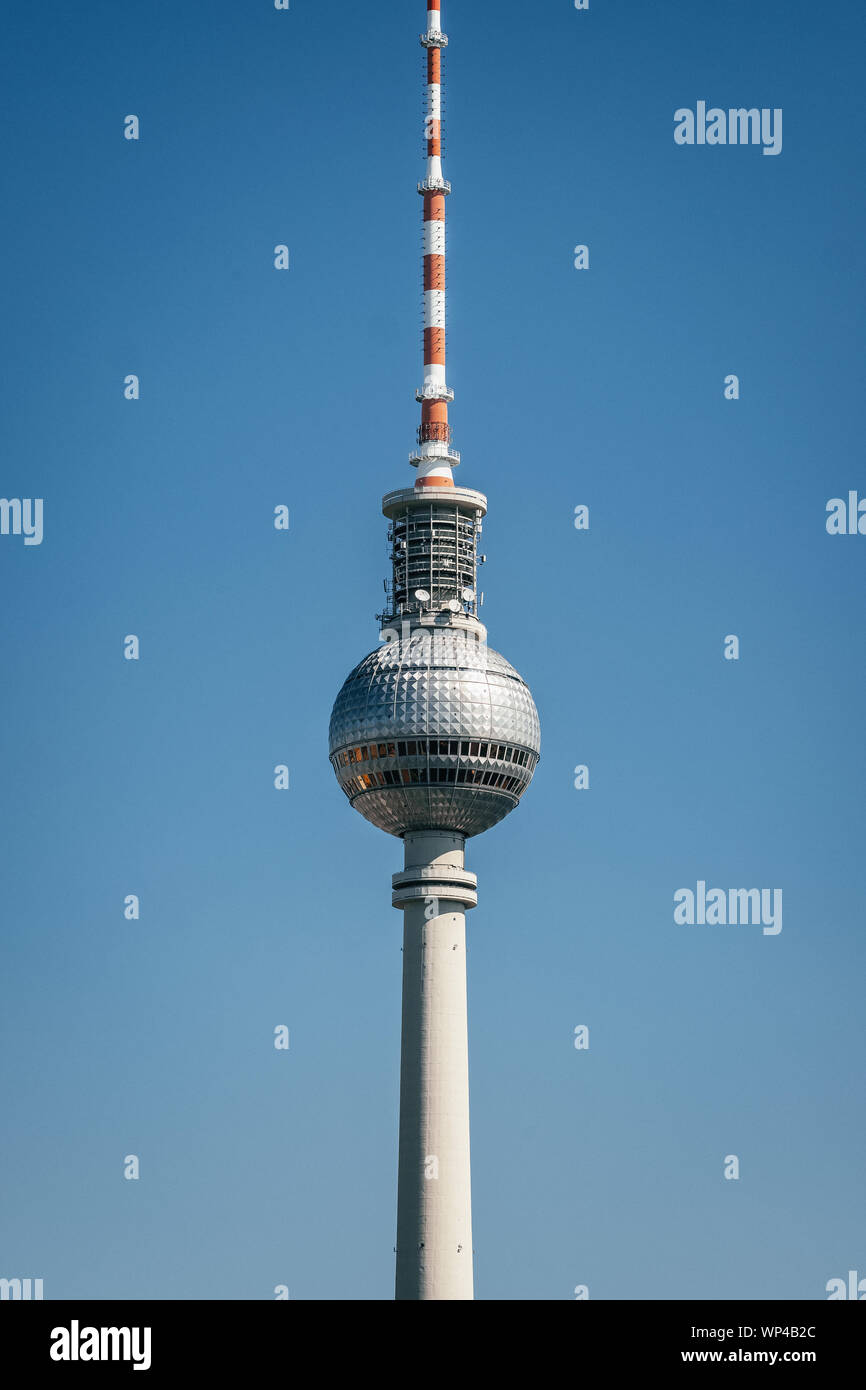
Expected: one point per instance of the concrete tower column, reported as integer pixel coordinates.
(434, 1210)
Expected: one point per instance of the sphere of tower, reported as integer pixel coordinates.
(435, 730)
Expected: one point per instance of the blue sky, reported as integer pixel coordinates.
(604, 387)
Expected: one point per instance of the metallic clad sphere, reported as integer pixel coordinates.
(434, 731)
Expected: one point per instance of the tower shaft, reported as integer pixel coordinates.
(434, 1216)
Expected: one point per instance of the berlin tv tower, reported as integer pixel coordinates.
(434, 737)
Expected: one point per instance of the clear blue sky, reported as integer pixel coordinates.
(604, 387)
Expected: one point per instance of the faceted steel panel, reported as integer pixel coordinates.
(443, 684)
(459, 809)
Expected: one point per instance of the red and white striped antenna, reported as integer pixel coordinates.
(434, 457)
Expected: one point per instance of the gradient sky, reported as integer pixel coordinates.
(601, 1167)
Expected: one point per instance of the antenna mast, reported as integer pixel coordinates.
(434, 457)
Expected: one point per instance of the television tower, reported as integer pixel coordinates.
(434, 737)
